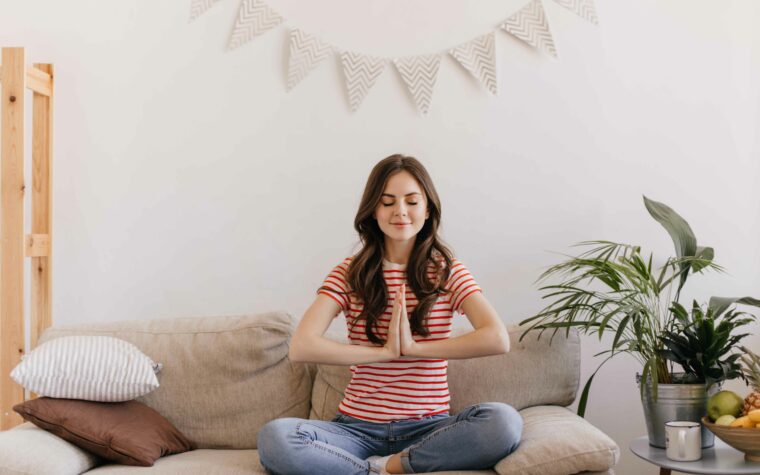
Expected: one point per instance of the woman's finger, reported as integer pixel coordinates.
(397, 310)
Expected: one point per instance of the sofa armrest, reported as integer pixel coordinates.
(555, 441)
(28, 450)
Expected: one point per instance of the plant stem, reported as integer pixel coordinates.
(664, 374)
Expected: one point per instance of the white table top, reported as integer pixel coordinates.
(719, 459)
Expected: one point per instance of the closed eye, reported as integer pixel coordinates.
(391, 204)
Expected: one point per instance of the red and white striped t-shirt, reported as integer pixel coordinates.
(407, 387)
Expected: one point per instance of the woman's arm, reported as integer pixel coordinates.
(309, 345)
(490, 336)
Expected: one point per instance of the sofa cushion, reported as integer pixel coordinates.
(93, 368)
(219, 462)
(21, 447)
(127, 432)
(534, 372)
(197, 462)
(223, 378)
(556, 441)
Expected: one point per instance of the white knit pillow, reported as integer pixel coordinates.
(93, 368)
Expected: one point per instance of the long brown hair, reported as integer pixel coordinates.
(365, 273)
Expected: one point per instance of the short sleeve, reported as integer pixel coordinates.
(461, 284)
(336, 287)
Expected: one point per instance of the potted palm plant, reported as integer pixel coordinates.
(614, 288)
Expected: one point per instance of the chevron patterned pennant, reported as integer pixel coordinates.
(306, 52)
(361, 72)
(199, 7)
(479, 58)
(419, 73)
(583, 8)
(530, 25)
(254, 18)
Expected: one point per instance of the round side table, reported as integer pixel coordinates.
(720, 459)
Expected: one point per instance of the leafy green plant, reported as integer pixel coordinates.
(702, 341)
(612, 287)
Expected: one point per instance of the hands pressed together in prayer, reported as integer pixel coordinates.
(400, 341)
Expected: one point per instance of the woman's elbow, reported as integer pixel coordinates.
(294, 351)
(504, 344)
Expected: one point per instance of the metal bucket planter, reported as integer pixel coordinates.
(675, 402)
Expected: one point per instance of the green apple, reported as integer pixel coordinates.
(724, 403)
(725, 420)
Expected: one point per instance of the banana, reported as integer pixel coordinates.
(743, 421)
(754, 415)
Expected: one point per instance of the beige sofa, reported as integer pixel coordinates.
(223, 378)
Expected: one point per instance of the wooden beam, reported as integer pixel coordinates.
(37, 245)
(11, 231)
(37, 80)
(42, 206)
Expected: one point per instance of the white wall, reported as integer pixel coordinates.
(188, 182)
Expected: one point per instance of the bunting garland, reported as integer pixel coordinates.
(419, 73)
(306, 52)
(254, 18)
(583, 8)
(530, 25)
(479, 58)
(361, 71)
(199, 7)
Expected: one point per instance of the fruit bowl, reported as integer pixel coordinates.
(742, 439)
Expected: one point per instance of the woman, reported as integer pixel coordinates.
(399, 294)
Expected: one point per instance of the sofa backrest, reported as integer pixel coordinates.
(223, 378)
(534, 372)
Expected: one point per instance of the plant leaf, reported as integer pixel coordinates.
(644, 378)
(721, 304)
(683, 237)
(706, 253)
(587, 387)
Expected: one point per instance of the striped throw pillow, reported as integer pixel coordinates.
(92, 368)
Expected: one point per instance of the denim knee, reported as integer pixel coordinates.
(504, 427)
(272, 441)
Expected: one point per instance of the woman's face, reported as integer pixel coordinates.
(402, 209)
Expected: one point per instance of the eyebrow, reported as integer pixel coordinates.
(408, 194)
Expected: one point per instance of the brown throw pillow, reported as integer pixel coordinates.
(129, 433)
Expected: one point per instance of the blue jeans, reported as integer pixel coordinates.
(476, 438)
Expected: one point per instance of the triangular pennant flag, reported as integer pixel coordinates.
(419, 74)
(254, 18)
(530, 25)
(199, 7)
(479, 58)
(361, 71)
(306, 52)
(583, 8)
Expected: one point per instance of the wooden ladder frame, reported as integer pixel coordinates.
(15, 78)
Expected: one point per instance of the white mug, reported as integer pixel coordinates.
(683, 440)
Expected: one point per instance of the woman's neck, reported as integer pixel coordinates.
(398, 252)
